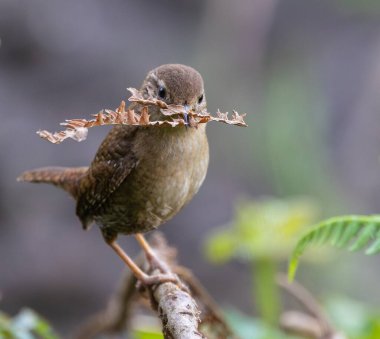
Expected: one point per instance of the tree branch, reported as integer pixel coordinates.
(176, 305)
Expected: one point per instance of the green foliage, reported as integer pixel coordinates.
(357, 320)
(25, 325)
(147, 334)
(265, 291)
(256, 225)
(262, 233)
(248, 327)
(353, 232)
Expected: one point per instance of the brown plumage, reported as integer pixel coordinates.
(63, 177)
(141, 176)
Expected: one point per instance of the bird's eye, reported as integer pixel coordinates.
(162, 92)
(200, 99)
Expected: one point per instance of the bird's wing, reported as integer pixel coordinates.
(114, 161)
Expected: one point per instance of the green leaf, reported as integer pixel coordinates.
(366, 235)
(359, 231)
(25, 325)
(374, 248)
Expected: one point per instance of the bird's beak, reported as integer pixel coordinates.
(185, 115)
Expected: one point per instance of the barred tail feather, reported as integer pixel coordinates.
(63, 177)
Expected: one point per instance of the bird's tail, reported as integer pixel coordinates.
(63, 177)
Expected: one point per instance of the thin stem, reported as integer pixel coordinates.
(265, 290)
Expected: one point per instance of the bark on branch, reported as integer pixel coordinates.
(178, 311)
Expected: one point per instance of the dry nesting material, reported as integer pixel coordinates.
(77, 129)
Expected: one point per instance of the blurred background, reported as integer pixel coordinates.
(307, 73)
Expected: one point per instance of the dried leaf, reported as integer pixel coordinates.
(131, 118)
(77, 129)
(144, 118)
(78, 134)
(138, 97)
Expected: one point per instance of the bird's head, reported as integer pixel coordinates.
(176, 84)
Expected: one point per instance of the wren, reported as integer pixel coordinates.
(141, 176)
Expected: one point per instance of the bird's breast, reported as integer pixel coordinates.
(169, 172)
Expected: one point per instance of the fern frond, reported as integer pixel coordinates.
(354, 232)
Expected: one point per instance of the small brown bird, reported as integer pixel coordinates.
(141, 176)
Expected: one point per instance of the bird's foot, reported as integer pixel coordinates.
(158, 278)
(156, 265)
(165, 275)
